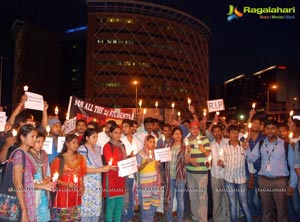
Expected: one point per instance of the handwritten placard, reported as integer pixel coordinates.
(60, 143)
(215, 105)
(47, 146)
(2, 121)
(163, 154)
(34, 101)
(69, 125)
(127, 167)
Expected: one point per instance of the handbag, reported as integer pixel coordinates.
(10, 209)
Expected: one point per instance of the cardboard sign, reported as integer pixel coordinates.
(34, 101)
(47, 146)
(127, 167)
(163, 154)
(69, 125)
(2, 121)
(60, 143)
(215, 105)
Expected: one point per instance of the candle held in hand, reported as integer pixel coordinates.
(55, 177)
(110, 162)
(75, 179)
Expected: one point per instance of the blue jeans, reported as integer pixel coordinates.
(293, 205)
(239, 191)
(148, 215)
(254, 199)
(180, 187)
(128, 211)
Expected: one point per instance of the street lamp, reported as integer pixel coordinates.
(268, 96)
(136, 108)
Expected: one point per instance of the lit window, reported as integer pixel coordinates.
(74, 70)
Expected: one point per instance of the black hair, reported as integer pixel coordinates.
(147, 138)
(215, 127)
(68, 139)
(156, 121)
(111, 122)
(95, 125)
(40, 134)
(176, 129)
(21, 118)
(167, 125)
(186, 121)
(128, 121)
(81, 121)
(271, 122)
(148, 120)
(134, 122)
(113, 127)
(24, 131)
(296, 122)
(89, 132)
(256, 117)
(233, 128)
(283, 124)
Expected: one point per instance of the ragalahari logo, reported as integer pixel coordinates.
(233, 13)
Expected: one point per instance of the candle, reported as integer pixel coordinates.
(246, 135)
(14, 132)
(173, 106)
(217, 113)
(150, 154)
(221, 152)
(291, 135)
(75, 179)
(198, 140)
(189, 102)
(178, 114)
(249, 127)
(140, 103)
(163, 138)
(26, 88)
(291, 113)
(209, 158)
(204, 112)
(67, 116)
(186, 141)
(55, 177)
(110, 162)
(156, 105)
(253, 105)
(48, 129)
(56, 110)
(144, 111)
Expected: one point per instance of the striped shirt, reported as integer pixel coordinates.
(173, 162)
(234, 161)
(200, 157)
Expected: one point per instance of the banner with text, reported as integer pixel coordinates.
(84, 109)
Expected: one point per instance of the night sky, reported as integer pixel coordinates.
(243, 46)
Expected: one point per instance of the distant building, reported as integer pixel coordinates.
(164, 49)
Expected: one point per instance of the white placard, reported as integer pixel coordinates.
(60, 143)
(215, 105)
(163, 154)
(127, 167)
(47, 146)
(2, 121)
(34, 101)
(294, 140)
(69, 125)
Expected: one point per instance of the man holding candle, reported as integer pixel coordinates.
(55, 130)
(103, 137)
(197, 172)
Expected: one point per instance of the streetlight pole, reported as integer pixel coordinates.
(268, 97)
(136, 103)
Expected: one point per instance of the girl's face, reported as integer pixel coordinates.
(39, 143)
(30, 139)
(116, 134)
(177, 136)
(72, 145)
(150, 144)
(92, 139)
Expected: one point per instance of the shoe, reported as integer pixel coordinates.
(174, 214)
(156, 217)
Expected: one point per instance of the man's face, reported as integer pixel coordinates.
(134, 128)
(256, 125)
(166, 132)
(234, 135)
(217, 133)
(156, 127)
(293, 127)
(194, 130)
(271, 131)
(55, 129)
(283, 132)
(126, 129)
(81, 128)
(149, 127)
(233, 122)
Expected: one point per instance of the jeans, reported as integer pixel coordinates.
(239, 191)
(148, 215)
(293, 205)
(128, 211)
(179, 188)
(254, 199)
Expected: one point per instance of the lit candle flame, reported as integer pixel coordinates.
(291, 113)
(55, 177)
(253, 105)
(26, 88)
(186, 141)
(249, 125)
(48, 129)
(140, 103)
(75, 178)
(144, 111)
(204, 112)
(246, 135)
(178, 114)
(67, 116)
(156, 104)
(217, 113)
(14, 132)
(56, 110)
(291, 135)
(173, 105)
(110, 162)
(163, 138)
(209, 158)
(150, 154)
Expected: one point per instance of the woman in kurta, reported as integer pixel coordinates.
(175, 176)
(92, 198)
(41, 177)
(149, 179)
(67, 203)
(114, 186)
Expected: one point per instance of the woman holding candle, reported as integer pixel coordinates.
(92, 198)
(114, 186)
(149, 179)
(42, 182)
(175, 175)
(66, 205)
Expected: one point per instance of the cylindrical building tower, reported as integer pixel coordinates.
(165, 50)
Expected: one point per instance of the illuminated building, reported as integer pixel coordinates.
(164, 49)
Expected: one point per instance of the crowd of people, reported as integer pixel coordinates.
(251, 170)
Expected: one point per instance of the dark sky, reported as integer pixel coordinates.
(241, 46)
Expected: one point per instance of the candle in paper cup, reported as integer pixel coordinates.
(291, 113)
(217, 113)
(253, 105)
